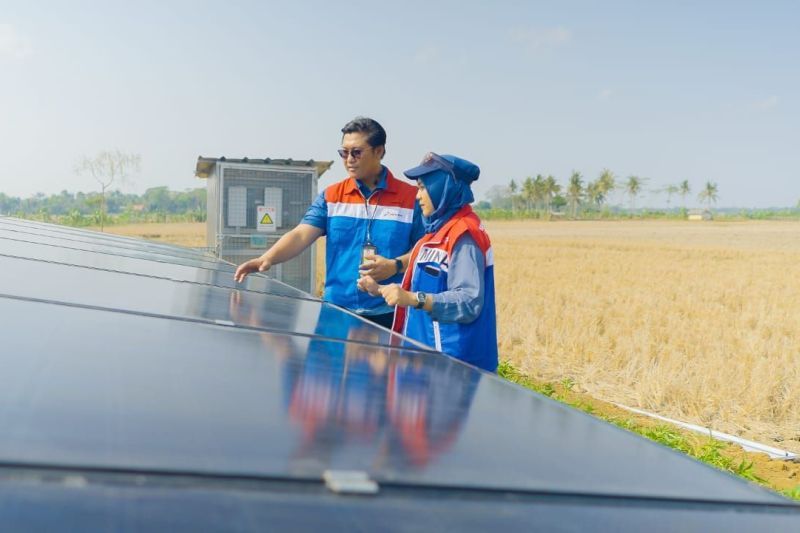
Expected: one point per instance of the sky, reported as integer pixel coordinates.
(666, 91)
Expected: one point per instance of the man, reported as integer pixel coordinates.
(370, 220)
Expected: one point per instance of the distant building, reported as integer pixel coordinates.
(700, 214)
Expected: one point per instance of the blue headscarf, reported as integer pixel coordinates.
(446, 178)
(448, 195)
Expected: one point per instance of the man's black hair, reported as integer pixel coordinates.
(376, 135)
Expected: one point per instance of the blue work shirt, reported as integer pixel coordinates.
(346, 228)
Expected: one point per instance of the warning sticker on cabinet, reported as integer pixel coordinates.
(266, 218)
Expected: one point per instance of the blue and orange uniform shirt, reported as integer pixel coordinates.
(346, 211)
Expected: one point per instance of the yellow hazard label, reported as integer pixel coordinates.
(266, 219)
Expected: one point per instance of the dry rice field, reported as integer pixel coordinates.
(698, 321)
(192, 234)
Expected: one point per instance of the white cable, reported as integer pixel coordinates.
(748, 445)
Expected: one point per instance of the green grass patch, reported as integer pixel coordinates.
(708, 450)
(792, 493)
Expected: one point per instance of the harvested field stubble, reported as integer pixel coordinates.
(696, 321)
(190, 234)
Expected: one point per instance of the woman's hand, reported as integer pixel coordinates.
(395, 295)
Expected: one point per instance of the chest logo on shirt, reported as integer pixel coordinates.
(391, 213)
(432, 255)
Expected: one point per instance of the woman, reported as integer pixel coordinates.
(446, 299)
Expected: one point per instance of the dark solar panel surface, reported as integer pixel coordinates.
(118, 261)
(133, 357)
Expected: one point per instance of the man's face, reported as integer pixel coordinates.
(362, 161)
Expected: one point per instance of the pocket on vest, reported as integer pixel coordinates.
(430, 279)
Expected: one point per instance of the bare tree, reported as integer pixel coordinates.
(106, 168)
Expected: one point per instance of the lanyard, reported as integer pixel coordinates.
(371, 217)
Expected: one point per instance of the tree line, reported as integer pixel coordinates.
(543, 195)
(157, 204)
(109, 168)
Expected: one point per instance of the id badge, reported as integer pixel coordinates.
(368, 251)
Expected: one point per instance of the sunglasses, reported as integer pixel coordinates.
(355, 152)
(432, 159)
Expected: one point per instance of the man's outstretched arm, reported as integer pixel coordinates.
(288, 247)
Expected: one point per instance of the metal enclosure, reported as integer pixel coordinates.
(251, 203)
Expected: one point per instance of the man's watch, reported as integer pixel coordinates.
(398, 265)
(421, 298)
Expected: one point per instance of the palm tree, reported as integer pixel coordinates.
(528, 192)
(684, 190)
(539, 191)
(607, 182)
(708, 194)
(513, 188)
(670, 190)
(574, 192)
(633, 186)
(594, 193)
(551, 189)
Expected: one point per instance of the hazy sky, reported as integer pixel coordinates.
(664, 90)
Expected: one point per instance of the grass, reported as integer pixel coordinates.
(719, 454)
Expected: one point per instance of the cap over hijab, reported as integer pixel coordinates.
(447, 179)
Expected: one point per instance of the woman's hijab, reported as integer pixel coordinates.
(447, 179)
(447, 194)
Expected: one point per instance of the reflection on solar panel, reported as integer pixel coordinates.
(143, 389)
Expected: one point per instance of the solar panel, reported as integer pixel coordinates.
(144, 374)
(65, 233)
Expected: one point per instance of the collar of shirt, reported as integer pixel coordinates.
(380, 186)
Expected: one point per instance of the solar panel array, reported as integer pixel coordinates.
(146, 373)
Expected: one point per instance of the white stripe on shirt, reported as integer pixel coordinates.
(382, 212)
(437, 335)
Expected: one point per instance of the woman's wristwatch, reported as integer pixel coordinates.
(421, 298)
(398, 265)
